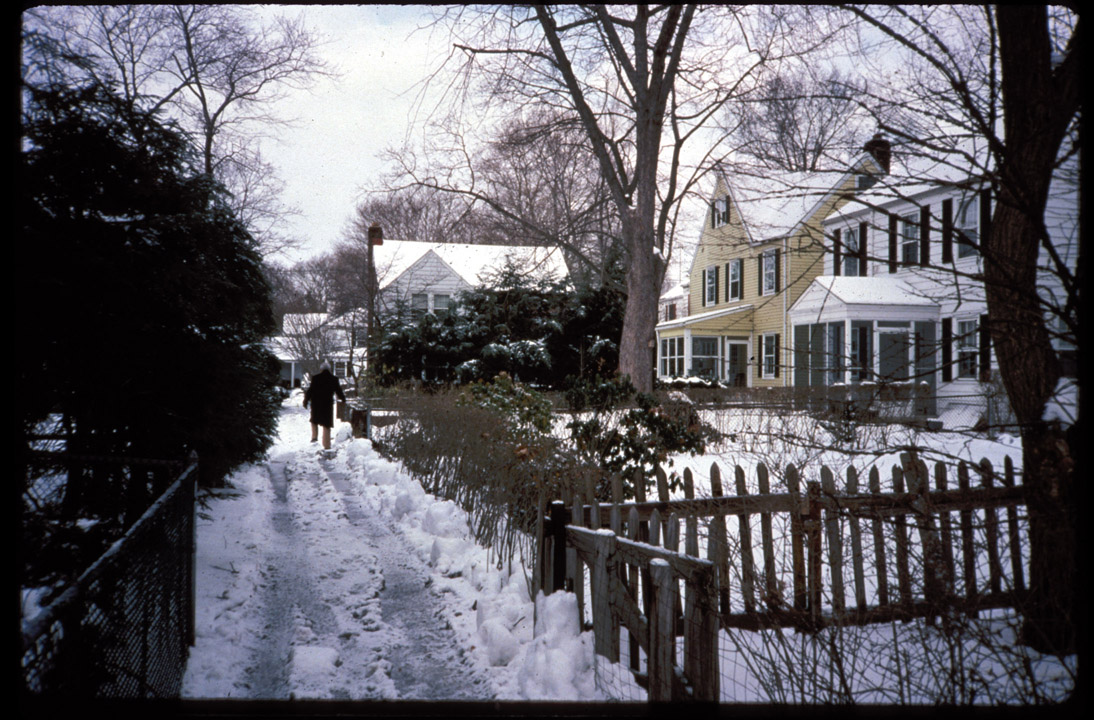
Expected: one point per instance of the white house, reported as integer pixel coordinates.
(428, 277)
(900, 299)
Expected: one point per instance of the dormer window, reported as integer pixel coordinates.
(719, 212)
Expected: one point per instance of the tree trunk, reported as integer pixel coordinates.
(640, 313)
(1039, 103)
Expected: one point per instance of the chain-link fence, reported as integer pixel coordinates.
(123, 628)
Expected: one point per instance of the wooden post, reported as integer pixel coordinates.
(631, 580)
(812, 526)
(691, 542)
(900, 523)
(718, 544)
(835, 545)
(991, 532)
(559, 520)
(574, 566)
(968, 553)
(797, 538)
(933, 573)
(605, 624)
(879, 543)
(662, 615)
(1019, 578)
(772, 596)
(856, 545)
(701, 636)
(540, 575)
(744, 530)
(945, 525)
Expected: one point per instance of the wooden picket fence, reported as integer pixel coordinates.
(909, 552)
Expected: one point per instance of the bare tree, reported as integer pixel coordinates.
(796, 121)
(642, 83)
(214, 68)
(1008, 75)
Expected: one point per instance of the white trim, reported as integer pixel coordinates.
(701, 317)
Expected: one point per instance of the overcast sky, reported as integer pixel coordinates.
(343, 124)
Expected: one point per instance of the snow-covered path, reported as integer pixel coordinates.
(340, 578)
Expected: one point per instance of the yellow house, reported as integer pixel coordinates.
(760, 248)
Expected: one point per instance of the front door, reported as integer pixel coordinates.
(736, 364)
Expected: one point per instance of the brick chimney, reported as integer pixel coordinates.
(882, 151)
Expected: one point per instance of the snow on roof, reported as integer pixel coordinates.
(915, 171)
(772, 203)
(470, 262)
(678, 291)
(871, 291)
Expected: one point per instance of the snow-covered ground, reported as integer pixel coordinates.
(341, 578)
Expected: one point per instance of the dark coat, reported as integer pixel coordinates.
(320, 394)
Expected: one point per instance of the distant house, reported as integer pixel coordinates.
(418, 277)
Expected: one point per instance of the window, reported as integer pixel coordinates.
(710, 286)
(770, 268)
(909, 240)
(850, 252)
(341, 368)
(704, 357)
(769, 355)
(442, 304)
(419, 304)
(862, 351)
(967, 224)
(735, 281)
(670, 311)
(672, 357)
(719, 212)
(968, 349)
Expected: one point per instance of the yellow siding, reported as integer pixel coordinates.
(802, 260)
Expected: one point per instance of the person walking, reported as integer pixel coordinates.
(320, 393)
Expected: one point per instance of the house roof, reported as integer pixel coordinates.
(772, 204)
(871, 291)
(915, 172)
(470, 262)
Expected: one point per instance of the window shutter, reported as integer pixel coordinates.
(727, 282)
(703, 289)
(759, 275)
(892, 242)
(947, 349)
(985, 350)
(759, 357)
(778, 270)
(713, 214)
(777, 358)
(862, 249)
(837, 250)
(947, 230)
(925, 235)
(716, 279)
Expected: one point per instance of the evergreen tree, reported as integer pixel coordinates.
(142, 302)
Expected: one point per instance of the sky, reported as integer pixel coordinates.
(343, 124)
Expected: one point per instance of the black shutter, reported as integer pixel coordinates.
(727, 282)
(985, 350)
(778, 270)
(947, 349)
(947, 230)
(716, 278)
(760, 358)
(713, 213)
(862, 249)
(925, 235)
(760, 275)
(777, 359)
(892, 243)
(837, 250)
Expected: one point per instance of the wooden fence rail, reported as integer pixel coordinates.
(822, 555)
